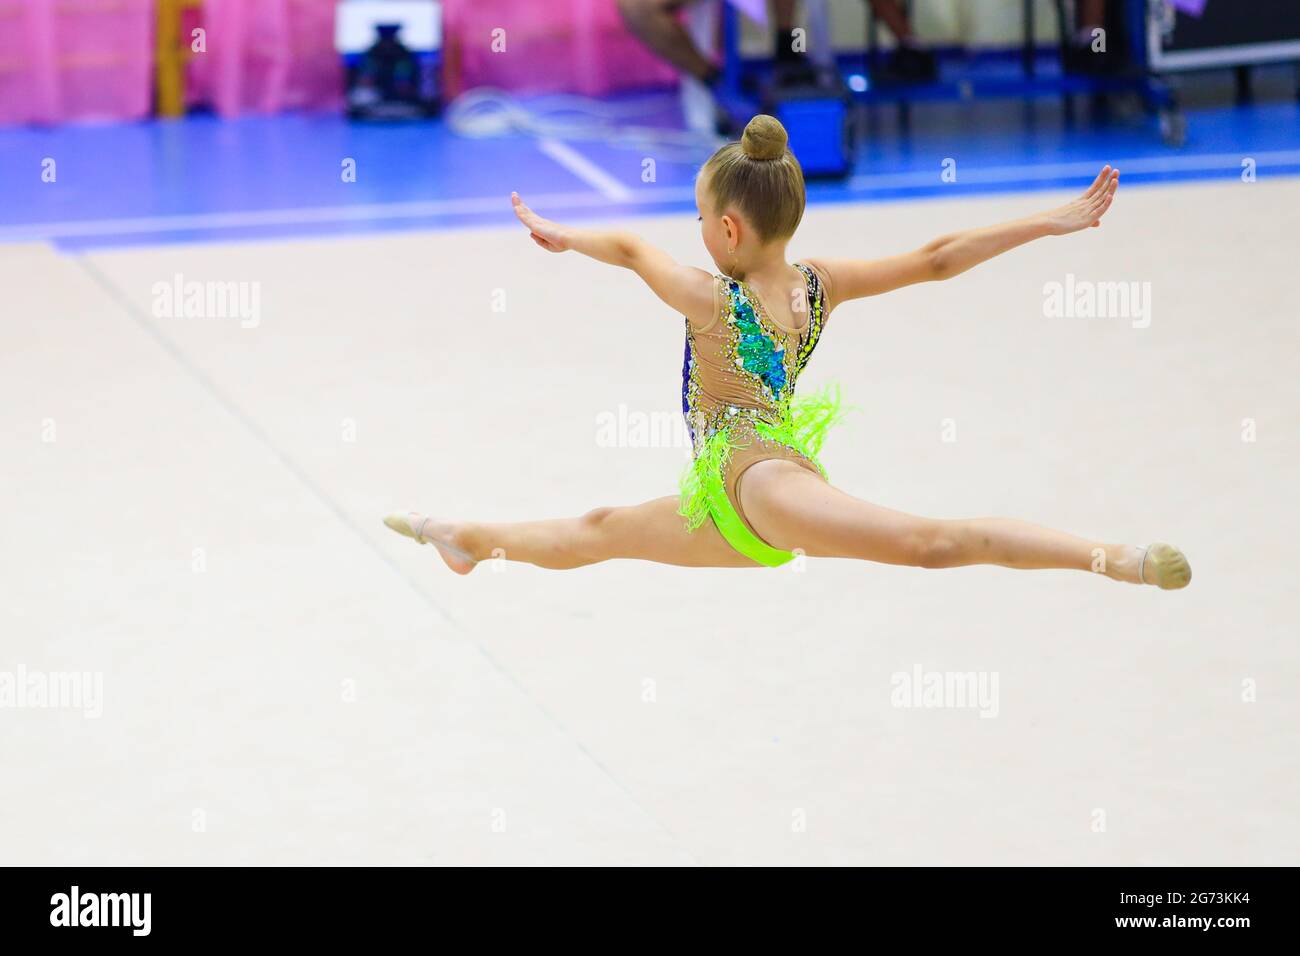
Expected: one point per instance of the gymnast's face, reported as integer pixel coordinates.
(720, 232)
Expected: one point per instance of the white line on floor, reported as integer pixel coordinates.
(433, 208)
(374, 212)
(209, 384)
(585, 169)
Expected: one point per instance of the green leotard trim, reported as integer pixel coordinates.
(802, 426)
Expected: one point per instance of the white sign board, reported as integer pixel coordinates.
(355, 23)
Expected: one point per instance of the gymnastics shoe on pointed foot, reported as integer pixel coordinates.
(423, 530)
(1166, 567)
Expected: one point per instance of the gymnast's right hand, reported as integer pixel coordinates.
(551, 236)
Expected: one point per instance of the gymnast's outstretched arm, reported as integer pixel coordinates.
(952, 255)
(687, 290)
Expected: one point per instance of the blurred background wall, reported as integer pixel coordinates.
(71, 60)
(971, 23)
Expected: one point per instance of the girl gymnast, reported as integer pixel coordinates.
(755, 491)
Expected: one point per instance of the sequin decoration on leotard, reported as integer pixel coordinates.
(756, 352)
(738, 379)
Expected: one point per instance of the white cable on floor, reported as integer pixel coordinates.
(487, 112)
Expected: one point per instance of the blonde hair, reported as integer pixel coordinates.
(760, 177)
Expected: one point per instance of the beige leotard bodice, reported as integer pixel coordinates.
(740, 369)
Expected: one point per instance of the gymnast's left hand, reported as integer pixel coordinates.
(551, 236)
(1087, 210)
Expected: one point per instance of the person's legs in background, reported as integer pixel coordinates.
(1088, 51)
(655, 23)
(1092, 15)
(792, 65)
(910, 62)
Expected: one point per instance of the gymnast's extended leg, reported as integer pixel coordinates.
(652, 531)
(789, 507)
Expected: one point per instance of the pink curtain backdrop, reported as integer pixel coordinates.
(264, 56)
(71, 60)
(65, 60)
(572, 46)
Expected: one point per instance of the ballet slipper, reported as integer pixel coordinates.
(1169, 568)
(415, 526)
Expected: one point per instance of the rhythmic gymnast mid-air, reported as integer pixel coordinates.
(755, 491)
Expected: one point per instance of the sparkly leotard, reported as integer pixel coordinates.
(738, 379)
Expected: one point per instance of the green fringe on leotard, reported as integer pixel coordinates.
(802, 425)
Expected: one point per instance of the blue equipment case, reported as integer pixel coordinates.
(816, 117)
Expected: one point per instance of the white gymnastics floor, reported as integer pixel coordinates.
(192, 511)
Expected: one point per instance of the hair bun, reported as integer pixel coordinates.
(764, 138)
